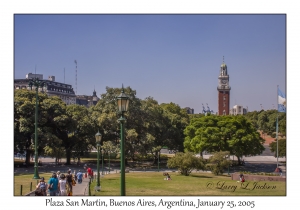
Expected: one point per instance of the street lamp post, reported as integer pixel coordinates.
(102, 152)
(98, 140)
(37, 84)
(123, 102)
(109, 161)
(228, 164)
(158, 161)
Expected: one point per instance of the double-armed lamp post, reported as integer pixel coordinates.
(109, 161)
(37, 84)
(102, 152)
(228, 164)
(98, 137)
(123, 102)
(158, 161)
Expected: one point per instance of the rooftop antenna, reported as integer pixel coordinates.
(223, 58)
(35, 71)
(64, 75)
(76, 77)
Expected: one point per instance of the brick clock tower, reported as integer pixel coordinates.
(223, 91)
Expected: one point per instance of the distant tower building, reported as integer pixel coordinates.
(223, 91)
(189, 110)
(238, 110)
(95, 97)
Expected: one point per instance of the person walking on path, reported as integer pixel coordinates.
(70, 183)
(75, 175)
(41, 188)
(79, 177)
(53, 185)
(62, 185)
(90, 173)
(58, 175)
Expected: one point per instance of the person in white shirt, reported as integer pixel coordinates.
(62, 185)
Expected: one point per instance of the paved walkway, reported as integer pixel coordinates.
(81, 189)
(78, 190)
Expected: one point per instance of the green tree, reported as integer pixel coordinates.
(59, 126)
(223, 133)
(245, 140)
(218, 162)
(24, 121)
(185, 162)
(203, 134)
(178, 119)
(281, 147)
(80, 132)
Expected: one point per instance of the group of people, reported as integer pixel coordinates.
(59, 184)
(168, 177)
(242, 178)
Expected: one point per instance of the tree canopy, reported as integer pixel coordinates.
(71, 129)
(214, 133)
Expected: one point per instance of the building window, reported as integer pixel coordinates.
(224, 98)
(224, 112)
(224, 104)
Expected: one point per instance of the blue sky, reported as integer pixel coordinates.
(173, 58)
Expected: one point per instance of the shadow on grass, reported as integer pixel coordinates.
(199, 176)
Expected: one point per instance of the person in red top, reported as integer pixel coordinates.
(90, 172)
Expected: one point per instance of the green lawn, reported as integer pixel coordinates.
(26, 180)
(153, 184)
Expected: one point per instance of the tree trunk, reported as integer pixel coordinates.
(155, 160)
(239, 160)
(28, 150)
(27, 158)
(68, 156)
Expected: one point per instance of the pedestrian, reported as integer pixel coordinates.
(79, 177)
(90, 173)
(75, 175)
(242, 178)
(58, 175)
(69, 178)
(62, 185)
(53, 185)
(41, 188)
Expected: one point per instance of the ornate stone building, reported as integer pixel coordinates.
(223, 91)
(87, 100)
(52, 88)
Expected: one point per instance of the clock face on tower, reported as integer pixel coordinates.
(224, 81)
